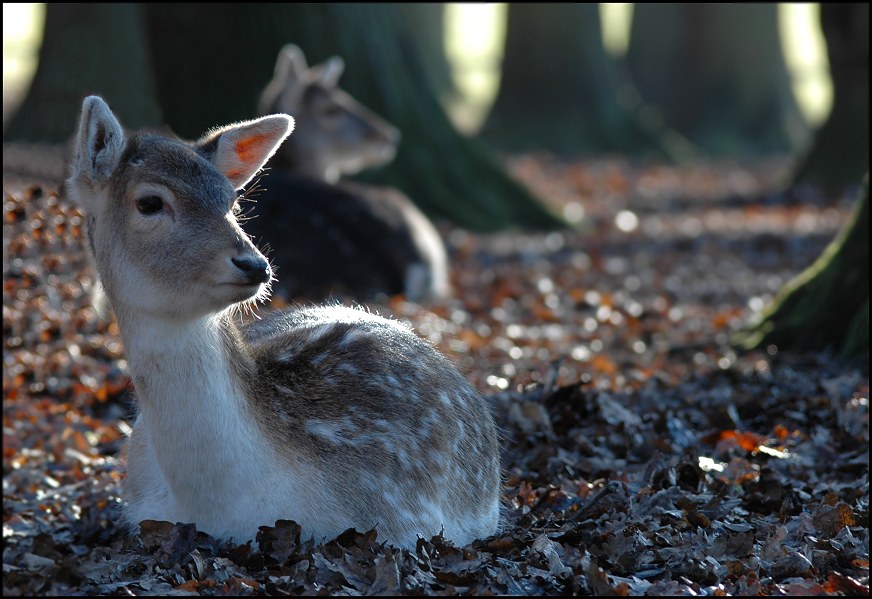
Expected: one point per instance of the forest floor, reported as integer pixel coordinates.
(642, 453)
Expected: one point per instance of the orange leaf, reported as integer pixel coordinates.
(603, 364)
(196, 585)
(746, 440)
(838, 583)
(781, 432)
(81, 443)
(720, 321)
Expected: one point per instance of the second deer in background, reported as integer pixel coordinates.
(327, 235)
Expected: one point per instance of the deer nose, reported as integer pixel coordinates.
(255, 268)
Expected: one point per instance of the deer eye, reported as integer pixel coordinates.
(150, 204)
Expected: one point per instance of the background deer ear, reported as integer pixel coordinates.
(290, 65)
(100, 140)
(329, 72)
(289, 77)
(240, 150)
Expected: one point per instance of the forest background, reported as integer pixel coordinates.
(658, 227)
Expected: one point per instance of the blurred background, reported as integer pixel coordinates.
(474, 36)
(669, 83)
(674, 149)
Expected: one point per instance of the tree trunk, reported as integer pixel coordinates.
(562, 92)
(717, 74)
(87, 49)
(839, 154)
(212, 75)
(210, 63)
(827, 305)
(427, 20)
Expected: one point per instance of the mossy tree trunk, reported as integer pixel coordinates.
(562, 92)
(87, 49)
(839, 154)
(209, 75)
(827, 305)
(717, 74)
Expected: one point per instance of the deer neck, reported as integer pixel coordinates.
(192, 402)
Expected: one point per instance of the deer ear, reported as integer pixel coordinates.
(240, 150)
(330, 71)
(99, 142)
(289, 76)
(290, 65)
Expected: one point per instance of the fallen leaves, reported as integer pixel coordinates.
(641, 454)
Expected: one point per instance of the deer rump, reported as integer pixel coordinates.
(324, 239)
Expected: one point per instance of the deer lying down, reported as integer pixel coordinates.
(330, 416)
(327, 239)
(355, 238)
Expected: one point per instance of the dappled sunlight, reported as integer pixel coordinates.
(644, 447)
(22, 36)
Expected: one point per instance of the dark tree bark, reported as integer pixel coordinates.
(717, 74)
(87, 49)
(427, 21)
(212, 74)
(840, 152)
(827, 305)
(562, 92)
(211, 63)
